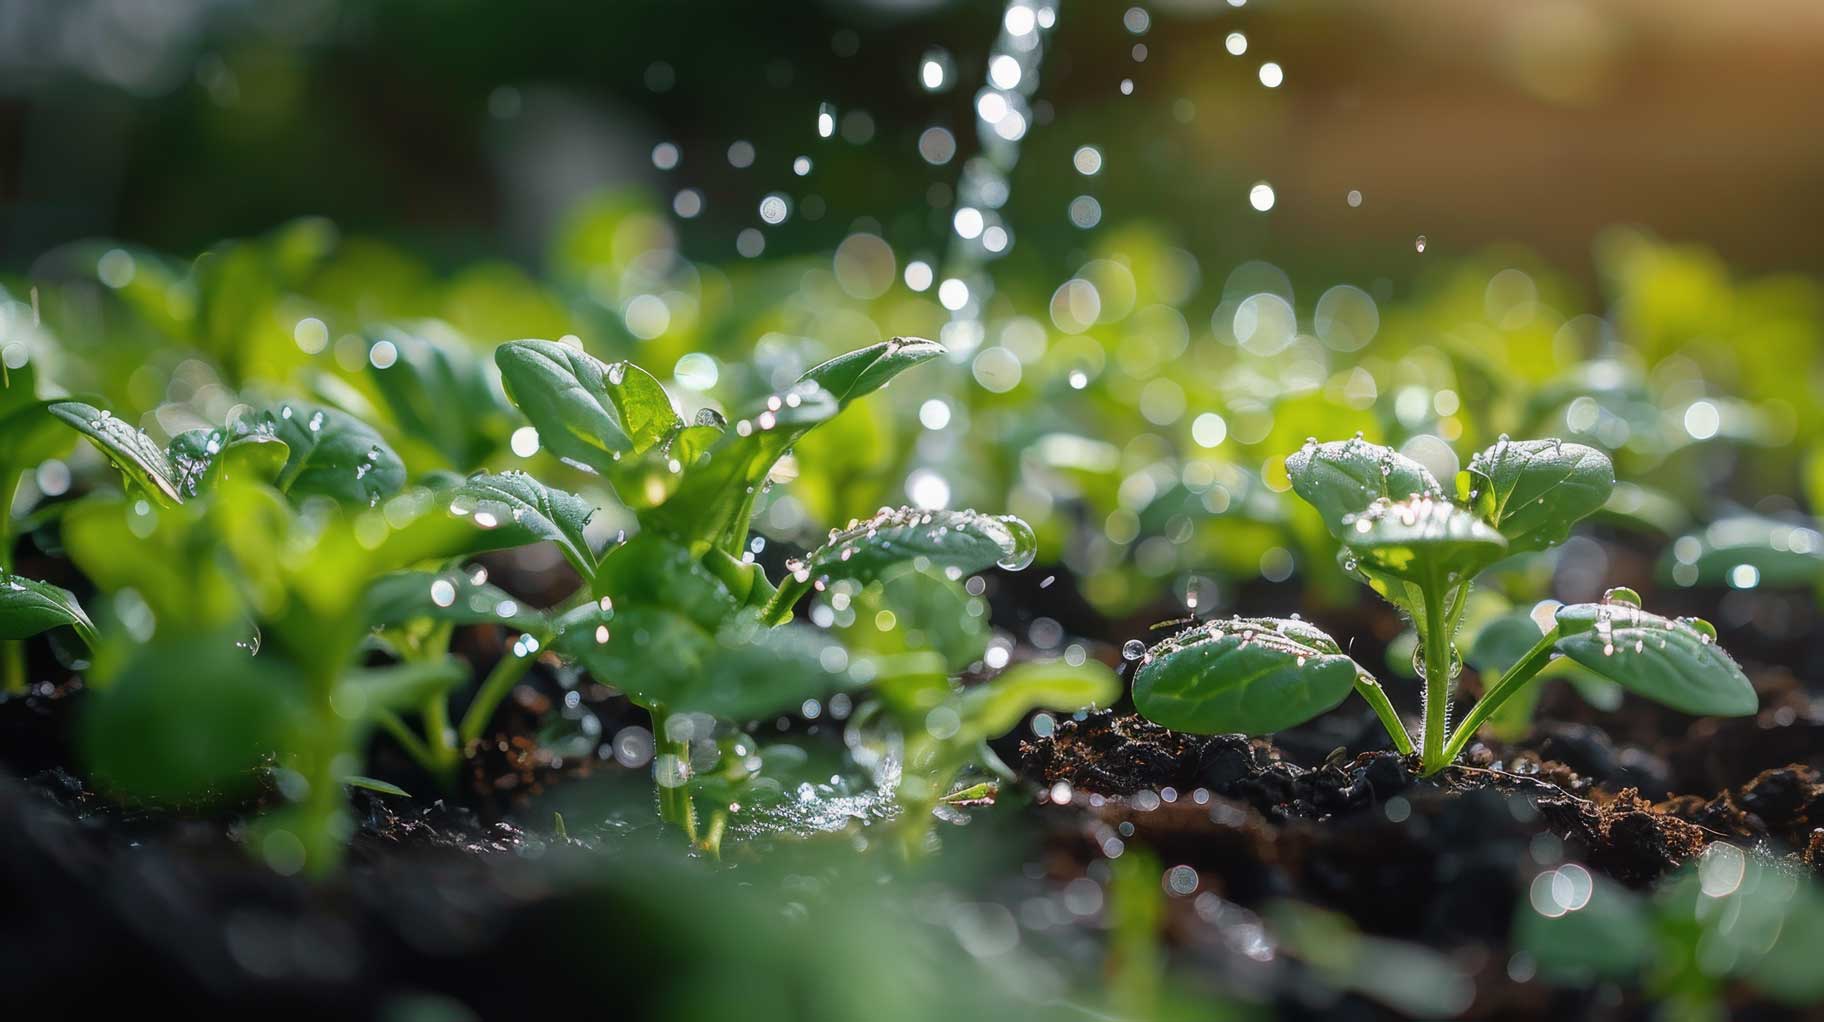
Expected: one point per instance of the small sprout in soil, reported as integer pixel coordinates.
(1421, 550)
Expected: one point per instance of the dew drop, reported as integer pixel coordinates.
(1133, 649)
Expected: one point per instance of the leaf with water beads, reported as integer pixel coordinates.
(137, 455)
(333, 454)
(1346, 477)
(456, 597)
(862, 371)
(956, 542)
(201, 458)
(512, 509)
(586, 411)
(1675, 661)
(28, 607)
(1246, 675)
(1423, 540)
(1533, 491)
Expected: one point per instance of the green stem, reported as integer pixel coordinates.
(411, 743)
(12, 665)
(1510, 684)
(439, 739)
(1437, 682)
(779, 609)
(675, 806)
(506, 673)
(1371, 690)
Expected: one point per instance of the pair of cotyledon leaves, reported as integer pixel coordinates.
(1401, 533)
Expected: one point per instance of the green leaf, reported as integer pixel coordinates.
(397, 687)
(995, 708)
(333, 454)
(1533, 491)
(513, 509)
(201, 458)
(450, 596)
(138, 457)
(716, 498)
(650, 570)
(33, 435)
(439, 393)
(957, 542)
(28, 607)
(1672, 661)
(865, 370)
(374, 784)
(1423, 540)
(1780, 554)
(1345, 477)
(1247, 675)
(586, 412)
(189, 715)
(740, 671)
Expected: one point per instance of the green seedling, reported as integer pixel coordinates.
(680, 617)
(1422, 551)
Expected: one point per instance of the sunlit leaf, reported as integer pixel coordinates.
(1423, 540)
(587, 411)
(1672, 661)
(1533, 491)
(333, 454)
(137, 455)
(512, 508)
(1345, 477)
(1247, 675)
(992, 709)
(958, 541)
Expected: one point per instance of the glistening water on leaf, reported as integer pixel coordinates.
(1423, 553)
(140, 459)
(512, 508)
(586, 411)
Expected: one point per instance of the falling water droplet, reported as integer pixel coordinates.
(1419, 243)
(1024, 546)
(1133, 649)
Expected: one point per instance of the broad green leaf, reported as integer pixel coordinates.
(1672, 661)
(1247, 675)
(28, 607)
(513, 509)
(1748, 550)
(651, 571)
(189, 715)
(740, 671)
(953, 541)
(439, 393)
(1345, 477)
(200, 458)
(449, 596)
(138, 457)
(333, 454)
(1423, 540)
(995, 708)
(1533, 491)
(587, 412)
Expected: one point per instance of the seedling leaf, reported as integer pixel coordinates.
(1346, 477)
(1672, 661)
(28, 607)
(137, 456)
(586, 411)
(512, 508)
(1533, 491)
(333, 454)
(1247, 675)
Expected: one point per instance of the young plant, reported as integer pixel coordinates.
(680, 617)
(1421, 550)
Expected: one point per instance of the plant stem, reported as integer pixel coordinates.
(1517, 678)
(438, 739)
(12, 665)
(673, 755)
(1371, 690)
(779, 609)
(1437, 682)
(506, 673)
(411, 743)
